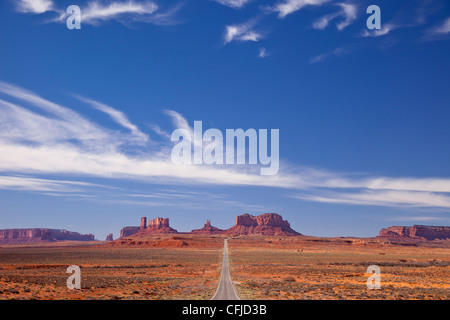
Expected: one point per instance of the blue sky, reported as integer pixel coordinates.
(363, 114)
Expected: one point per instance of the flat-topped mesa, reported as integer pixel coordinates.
(416, 232)
(269, 224)
(208, 229)
(11, 236)
(128, 231)
(109, 237)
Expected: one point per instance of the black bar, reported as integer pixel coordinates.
(242, 309)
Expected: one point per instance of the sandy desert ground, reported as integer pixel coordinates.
(311, 268)
(188, 267)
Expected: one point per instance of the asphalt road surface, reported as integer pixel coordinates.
(225, 289)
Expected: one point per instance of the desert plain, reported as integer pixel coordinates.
(183, 267)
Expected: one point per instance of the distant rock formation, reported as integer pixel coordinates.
(35, 235)
(143, 223)
(208, 229)
(158, 225)
(128, 231)
(416, 232)
(109, 237)
(268, 224)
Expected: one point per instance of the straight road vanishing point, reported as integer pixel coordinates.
(225, 289)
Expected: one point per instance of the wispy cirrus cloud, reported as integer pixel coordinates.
(34, 6)
(50, 123)
(96, 12)
(443, 28)
(164, 17)
(439, 31)
(60, 141)
(118, 116)
(263, 53)
(44, 185)
(418, 218)
(236, 4)
(178, 120)
(327, 55)
(378, 191)
(242, 32)
(412, 15)
(287, 7)
(385, 29)
(160, 132)
(385, 198)
(39, 137)
(347, 12)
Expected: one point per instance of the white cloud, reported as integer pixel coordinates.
(157, 129)
(236, 4)
(322, 22)
(34, 6)
(438, 31)
(290, 6)
(444, 28)
(385, 29)
(117, 116)
(21, 124)
(348, 12)
(45, 138)
(325, 56)
(63, 142)
(192, 200)
(97, 12)
(241, 32)
(386, 198)
(250, 36)
(67, 159)
(418, 218)
(165, 17)
(263, 53)
(178, 120)
(42, 185)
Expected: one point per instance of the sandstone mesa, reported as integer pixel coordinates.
(36, 235)
(416, 232)
(267, 224)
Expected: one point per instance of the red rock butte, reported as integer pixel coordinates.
(158, 225)
(268, 224)
(208, 229)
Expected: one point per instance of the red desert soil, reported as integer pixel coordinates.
(186, 266)
(159, 268)
(325, 268)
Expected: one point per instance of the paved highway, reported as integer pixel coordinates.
(225, 289)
